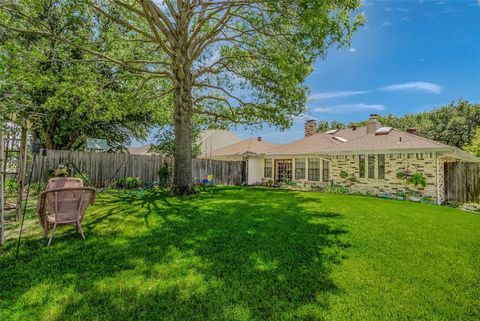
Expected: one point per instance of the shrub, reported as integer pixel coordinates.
(427, 200)
(336, 189)
(36, 188)
(417, 179)
(453, 204)
(267, 181)
(401, 195)
(343, 174)
(11, 187)
(128, 183)
(61, 171)
(164, 176)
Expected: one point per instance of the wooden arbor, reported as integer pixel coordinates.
(13, 161)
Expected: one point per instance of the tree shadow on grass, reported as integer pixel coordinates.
(236, 254)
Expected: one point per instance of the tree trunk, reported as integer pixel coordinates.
(182, 173)
(182, 116)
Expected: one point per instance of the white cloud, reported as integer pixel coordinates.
(405, 19)
(335, 94)
(451, 10)
(427, 87)
(352, 49)
(387, 24)
(388, 9)
(347, 108)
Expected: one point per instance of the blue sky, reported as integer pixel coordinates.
(411, 56)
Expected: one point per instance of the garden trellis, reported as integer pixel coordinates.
(12, 149)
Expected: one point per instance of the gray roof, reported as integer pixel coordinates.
(211, 140)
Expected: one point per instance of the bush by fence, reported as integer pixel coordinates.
(104, 168)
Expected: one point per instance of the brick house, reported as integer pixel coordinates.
(371, 159)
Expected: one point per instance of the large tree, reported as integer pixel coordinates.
(241, 61)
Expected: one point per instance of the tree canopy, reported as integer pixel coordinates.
(232, 61)
(474, 146)
(70, 98)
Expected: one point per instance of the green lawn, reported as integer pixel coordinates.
(250, 254)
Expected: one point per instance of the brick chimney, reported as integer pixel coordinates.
(259, 138)
(373, 124)
(412, 131)
(310, 127)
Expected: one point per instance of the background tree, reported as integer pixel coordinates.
(240, 61)
(454, 124)
(73, 99)
(474, 146)
(165, 141)
(324, 125)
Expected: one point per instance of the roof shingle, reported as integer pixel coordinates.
(245, 147)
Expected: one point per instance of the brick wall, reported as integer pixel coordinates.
(423, 163)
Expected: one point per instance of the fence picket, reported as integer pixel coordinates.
(462, 182)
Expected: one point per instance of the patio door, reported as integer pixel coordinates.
(283, 170)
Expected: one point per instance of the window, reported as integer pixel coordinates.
(381, 166)
(361, 165)
(371, 166)
(299, 168)
(313, 169)
(326, 170)
(267, 169)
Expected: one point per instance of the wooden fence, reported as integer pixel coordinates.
(462, 182)
(104, 168)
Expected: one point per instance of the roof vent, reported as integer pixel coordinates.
(340, 139)
(259, 138)
(412, 131)
(383, 131)
(354, 127)
(332, 131)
